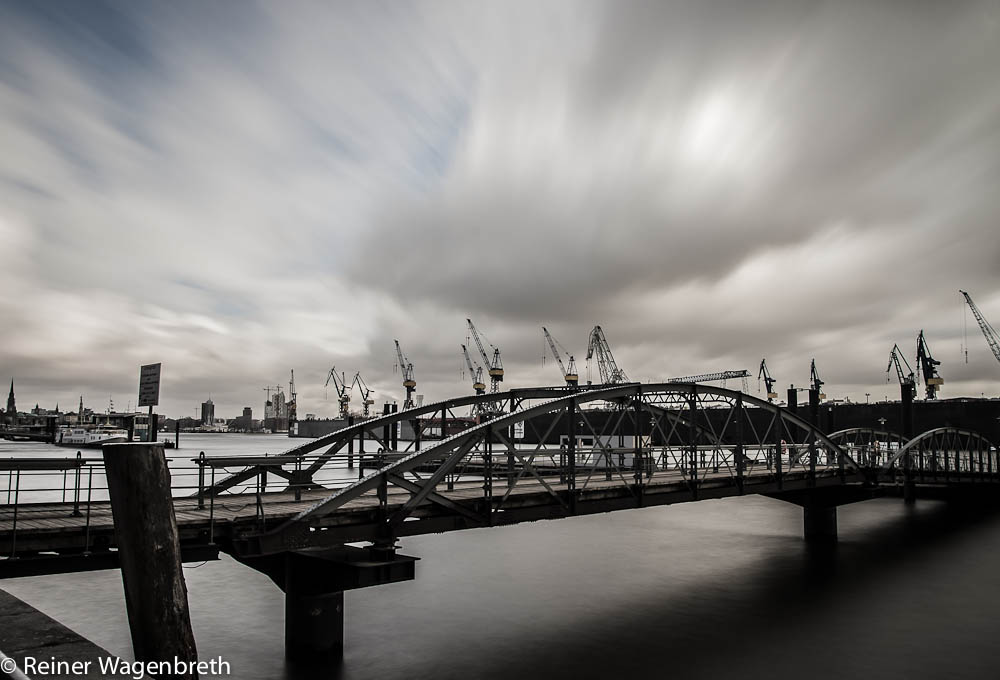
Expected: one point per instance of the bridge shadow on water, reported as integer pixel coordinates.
(906, 593)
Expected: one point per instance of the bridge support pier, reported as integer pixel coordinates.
(819, 523)
(314, 623)
(314, 581)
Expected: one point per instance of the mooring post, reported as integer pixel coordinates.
(149, 553)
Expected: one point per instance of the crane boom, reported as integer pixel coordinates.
(406, 368)
(927, 366)
(906, 378)
(476, 372)
(606, 366)
(366, 391)
(495, 365)
(343, 391)
(569, 375)
(814, 381)
(555, 352)
(991, 335)
(768, 380)
(711, 377)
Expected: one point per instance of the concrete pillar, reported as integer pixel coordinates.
(314, 623)
(149, 552)
(819, 523)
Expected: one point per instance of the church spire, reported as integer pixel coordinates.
(11, 406)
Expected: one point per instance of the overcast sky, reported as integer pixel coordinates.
(239, 189)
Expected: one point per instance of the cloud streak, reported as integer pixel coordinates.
(237, 190)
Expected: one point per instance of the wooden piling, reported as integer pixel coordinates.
(149, 552)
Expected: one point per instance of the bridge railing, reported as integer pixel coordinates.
(34, 491)
(946, 453)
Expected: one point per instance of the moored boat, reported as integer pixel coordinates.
(90, 438)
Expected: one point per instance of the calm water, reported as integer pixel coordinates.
(716, 589)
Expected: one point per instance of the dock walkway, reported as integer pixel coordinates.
(27, 632)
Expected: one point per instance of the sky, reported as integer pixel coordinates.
(239, 189)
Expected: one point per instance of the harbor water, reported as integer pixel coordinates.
(714, 589)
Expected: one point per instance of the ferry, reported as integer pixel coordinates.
(92, 438)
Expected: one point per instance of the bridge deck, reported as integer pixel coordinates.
(53, 527)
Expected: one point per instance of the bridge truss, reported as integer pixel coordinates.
(551, 453)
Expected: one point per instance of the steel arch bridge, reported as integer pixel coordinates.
(621, 446)
(332, 522)
(551, 452)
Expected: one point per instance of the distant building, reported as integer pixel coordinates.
(11, 413)
(244, 423)
(276, 413)
(208, 413)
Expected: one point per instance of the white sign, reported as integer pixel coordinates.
(149, 385)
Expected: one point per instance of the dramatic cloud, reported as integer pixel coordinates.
(237, 190)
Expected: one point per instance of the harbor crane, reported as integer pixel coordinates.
(991, 335)
(927, 366)
(768, 380)
(569, 375)
(814, 382)
(343, 390)
(406, 368)
(366, 400)
(713, 377)
(906, 378)
(476, 372)
(495, 365)
(607, 368)
(292, 398)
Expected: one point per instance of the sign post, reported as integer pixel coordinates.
(149, 393)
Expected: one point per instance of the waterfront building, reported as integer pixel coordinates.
(208, 413)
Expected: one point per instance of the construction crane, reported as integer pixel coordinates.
(406, 368)
(343, 391)
(495, 365)
(476, 372)
(906, 378)
(292, 398)
(768, 380)
(569, 375)
(710, 377)
(927, 366)
(991, 335)
(814, 382)
(607, 368)
(366, 392)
